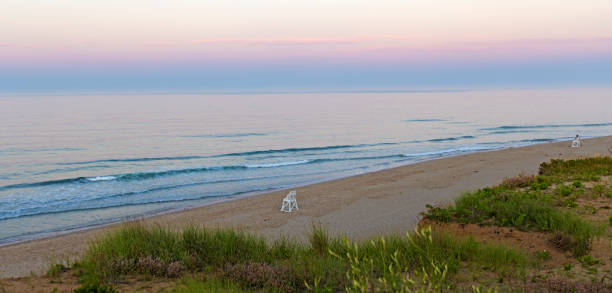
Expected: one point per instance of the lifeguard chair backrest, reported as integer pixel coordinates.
(291, 195)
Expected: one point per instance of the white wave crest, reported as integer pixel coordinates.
(448, 151)
(272, 165)
(102, 178)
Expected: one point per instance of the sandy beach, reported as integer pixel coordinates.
(367, 205)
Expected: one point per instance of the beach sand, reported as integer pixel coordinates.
(383, 202)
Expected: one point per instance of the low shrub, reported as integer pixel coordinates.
(263, 275)
(599, 189)
(541, 183)
(543, 255)
(588, 260)
(519, 181)
(563, 190)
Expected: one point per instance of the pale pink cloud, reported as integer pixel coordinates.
(391, 39)
(285, 41)
(387, 49)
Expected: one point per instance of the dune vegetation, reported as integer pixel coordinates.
(229, 259)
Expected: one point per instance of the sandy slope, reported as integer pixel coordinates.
(383, 202)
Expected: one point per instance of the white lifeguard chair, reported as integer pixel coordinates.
(577, 142)
(289, 202)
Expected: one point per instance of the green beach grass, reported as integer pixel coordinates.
(532, 203)
(326, 264)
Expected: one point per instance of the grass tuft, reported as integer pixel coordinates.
(55, 270)
(586, 169)
(319, 239)
(251, 263)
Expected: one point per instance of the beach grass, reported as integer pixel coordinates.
(326, 263)
(584, 169)
(535, 203)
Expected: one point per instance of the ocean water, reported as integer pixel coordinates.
(73, 161)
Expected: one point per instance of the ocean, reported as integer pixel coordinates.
(73, 161)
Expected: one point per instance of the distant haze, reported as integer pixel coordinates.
(147, 45)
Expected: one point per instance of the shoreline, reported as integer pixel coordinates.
(360, 206)
(223, 199)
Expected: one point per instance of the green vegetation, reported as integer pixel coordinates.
(543, 255)
(589, 169)
(523, 209)
(532, 203)
(55, 270)
(328, 264)
(599, 190)
(588, 260)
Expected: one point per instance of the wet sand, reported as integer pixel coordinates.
(362, 206)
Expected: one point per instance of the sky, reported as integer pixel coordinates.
(265, 45)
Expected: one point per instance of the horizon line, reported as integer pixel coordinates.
(281, 92)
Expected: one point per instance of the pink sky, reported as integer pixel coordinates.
(227, 34)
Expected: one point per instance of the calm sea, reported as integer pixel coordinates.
(68, 162)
